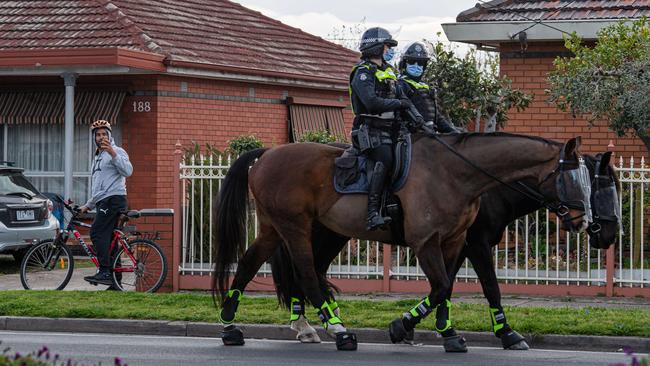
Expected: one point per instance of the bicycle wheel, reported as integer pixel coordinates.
(47, 265)
(142, 268)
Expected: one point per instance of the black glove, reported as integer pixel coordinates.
(405, 103)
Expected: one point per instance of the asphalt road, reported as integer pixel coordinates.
(159, 351)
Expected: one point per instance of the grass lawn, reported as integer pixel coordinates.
(355, 313)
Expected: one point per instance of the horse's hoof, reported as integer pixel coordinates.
(514, 341)
(232, 336)
(397, 331)
(520, 346)
(455, 344)
(306, 333)
(308, 337)
(346, 341)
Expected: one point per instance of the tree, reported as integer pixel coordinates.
(608, 80)
(470, 89)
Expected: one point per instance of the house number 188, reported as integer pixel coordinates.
(142, 106)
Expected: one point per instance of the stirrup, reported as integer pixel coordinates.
(376, 221)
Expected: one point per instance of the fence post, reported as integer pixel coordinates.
(176, 246)
(610, 258)
(385, 285)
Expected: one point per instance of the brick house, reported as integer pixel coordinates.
(162, 72)
(500, 24)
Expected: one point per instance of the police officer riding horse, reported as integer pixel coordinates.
(412, 65)
(377, 102)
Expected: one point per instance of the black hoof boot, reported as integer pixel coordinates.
(346, 341)
(410, 337)
(232, 336)
(397, 331)
(514, 341)
(455, 344)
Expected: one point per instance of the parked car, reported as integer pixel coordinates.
(25, 214)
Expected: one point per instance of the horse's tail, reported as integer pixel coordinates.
(231, 210)
(287, 284)
(284, 277)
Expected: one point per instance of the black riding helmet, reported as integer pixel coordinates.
(373, 41)
(415, 52)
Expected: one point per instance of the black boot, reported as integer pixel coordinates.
(102, 277)
(375, 220)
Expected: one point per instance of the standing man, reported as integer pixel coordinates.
(111, 167)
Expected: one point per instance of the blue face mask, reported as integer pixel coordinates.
(414, 70)
(389, 54)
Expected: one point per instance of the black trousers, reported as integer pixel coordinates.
(101, 232)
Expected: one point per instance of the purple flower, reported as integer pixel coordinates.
(628, 350)
(118, 361)
(17, 355)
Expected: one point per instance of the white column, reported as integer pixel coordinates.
(70, 80)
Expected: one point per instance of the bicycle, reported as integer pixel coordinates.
(49, 264)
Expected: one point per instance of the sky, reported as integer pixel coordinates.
(407, 20)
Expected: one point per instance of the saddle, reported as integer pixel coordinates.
(350, 177)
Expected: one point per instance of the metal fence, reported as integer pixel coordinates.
(534, 249)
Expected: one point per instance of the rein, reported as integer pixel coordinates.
(561, 209)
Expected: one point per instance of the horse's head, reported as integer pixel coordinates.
(604, 227)
(570, 188)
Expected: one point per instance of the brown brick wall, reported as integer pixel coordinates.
(195, 114)
(164, 225)
(543, 119)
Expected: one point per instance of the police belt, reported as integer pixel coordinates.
(383, 121)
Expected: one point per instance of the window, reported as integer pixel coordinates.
(307, 114)
(39, 149)
(32, 134)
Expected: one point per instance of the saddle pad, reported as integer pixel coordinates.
(344, 184)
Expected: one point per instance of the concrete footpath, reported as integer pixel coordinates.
(282, 332)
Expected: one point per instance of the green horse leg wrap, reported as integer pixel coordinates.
(227, 315)
(327, 316)
(498, 318)
(417, 313)
(443, 316)
(334, 306)
(297, 309)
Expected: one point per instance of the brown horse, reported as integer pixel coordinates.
(293, 189)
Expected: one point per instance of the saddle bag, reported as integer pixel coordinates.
(347, 170)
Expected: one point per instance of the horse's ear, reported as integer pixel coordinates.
(571, 147)
(604, 162)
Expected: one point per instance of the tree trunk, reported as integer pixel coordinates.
(477, 127)
(491, 124)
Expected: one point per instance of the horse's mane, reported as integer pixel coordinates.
(464, 137)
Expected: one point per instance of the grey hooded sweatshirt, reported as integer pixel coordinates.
(109, 174)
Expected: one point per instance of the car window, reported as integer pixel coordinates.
(14, 182)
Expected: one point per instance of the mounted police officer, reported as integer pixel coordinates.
(412, 65)
(376, 105)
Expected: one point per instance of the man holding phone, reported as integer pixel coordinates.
(111, 167)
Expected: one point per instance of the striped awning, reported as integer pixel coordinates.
(314, 115)
(48, 107)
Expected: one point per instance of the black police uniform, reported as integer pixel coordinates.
(425, 101)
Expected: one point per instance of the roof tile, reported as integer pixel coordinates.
(210, 32)
(522, 10)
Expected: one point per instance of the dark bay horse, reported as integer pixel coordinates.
(293, 190)
(499, 207)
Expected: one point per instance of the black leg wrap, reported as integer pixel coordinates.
(232, 336)
(455, 344)
(513, 340)
(451, 332)
(346, 341)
